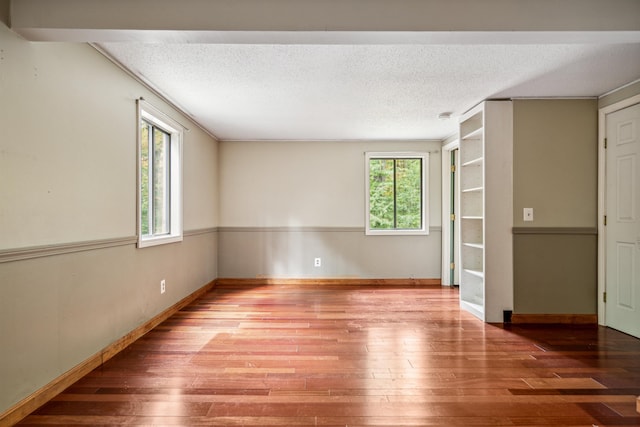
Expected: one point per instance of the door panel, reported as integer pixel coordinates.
(623, 225)
(625, 188)
(625, 275)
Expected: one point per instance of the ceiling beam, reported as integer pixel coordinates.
(199, 20)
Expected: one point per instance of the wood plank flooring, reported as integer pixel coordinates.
(300, 355)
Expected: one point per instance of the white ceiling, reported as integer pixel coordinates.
(353, 69)
(364, 91)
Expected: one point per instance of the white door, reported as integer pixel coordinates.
(623, 220)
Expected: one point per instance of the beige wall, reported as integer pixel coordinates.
(310, 183)
(555, 172)
(345, 252)
(285, 203)
(68, 161)
(68, 176)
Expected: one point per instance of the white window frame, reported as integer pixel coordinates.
(176, 131)
(424, 156)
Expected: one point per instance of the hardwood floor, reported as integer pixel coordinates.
(355, 356)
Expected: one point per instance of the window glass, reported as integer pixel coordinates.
(159, 191)
(396, 201)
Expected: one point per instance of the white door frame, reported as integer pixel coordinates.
(446, 203)
(602, 133)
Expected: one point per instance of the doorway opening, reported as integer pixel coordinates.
(450, 215)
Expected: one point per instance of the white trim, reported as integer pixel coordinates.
(147, 112)
(183, 112)
(367, 140)
(602, 133)
(620, 105)
(446, 203)
(619, 88)
(200, 231)
(301, 229)
(20, 254)
(424, 156)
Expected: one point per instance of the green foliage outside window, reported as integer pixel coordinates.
(144, 177)
(154, 183)
(395, 193)
(161, 184)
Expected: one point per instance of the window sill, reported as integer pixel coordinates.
(155, 241)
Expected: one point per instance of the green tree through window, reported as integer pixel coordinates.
(154, 181)
(160, 177)
(396, 193)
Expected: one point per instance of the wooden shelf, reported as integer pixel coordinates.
(476, 273)
(472, 190)
(472, 152)
(474, 162)
(475, 309)
(474, 134)
(474, 245)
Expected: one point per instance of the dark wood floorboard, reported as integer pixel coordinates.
(355, 356)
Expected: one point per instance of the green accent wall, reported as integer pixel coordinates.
(555, 273)
(555, 172)
(555, 162)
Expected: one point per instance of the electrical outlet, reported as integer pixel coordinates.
(317, 262)
(163, 286)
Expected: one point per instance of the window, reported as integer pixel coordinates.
(396, 201)
(160, 178)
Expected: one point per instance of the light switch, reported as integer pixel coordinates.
(528, 214)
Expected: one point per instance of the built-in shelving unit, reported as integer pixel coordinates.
(486, 202)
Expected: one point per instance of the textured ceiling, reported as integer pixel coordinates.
(349, 69)
(364, 91)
